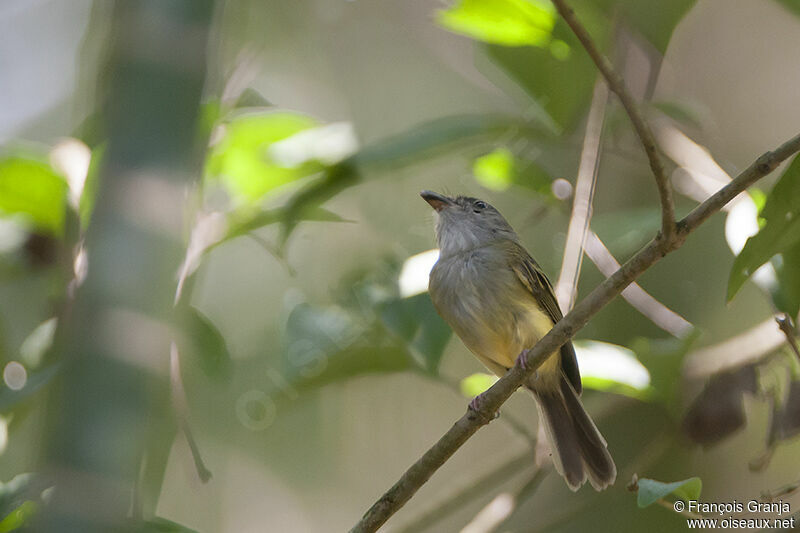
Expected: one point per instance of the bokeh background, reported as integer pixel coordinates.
(315, 377)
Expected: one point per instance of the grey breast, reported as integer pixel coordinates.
(475, 292)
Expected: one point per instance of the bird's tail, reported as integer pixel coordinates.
(579, 450)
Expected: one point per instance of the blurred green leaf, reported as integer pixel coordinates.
(243, 222)
(251, 98)
(791, 5)
(428, 137)
(504, 22)
(561, 84)
(476, 384)
(495, 170)
(10, 399)
(612, 368)
(31, 188)
(650, 490)
(162, 525)
(415, 320)
(19, 516)
(329, 344)
(90, 186)
(35, 345)
(203, 342)
(652, 19)
(626, 231)
(786, 292)
(781, 231)
(663, 359)
(17, 500)
(243, 161)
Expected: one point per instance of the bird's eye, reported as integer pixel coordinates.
(479, 206)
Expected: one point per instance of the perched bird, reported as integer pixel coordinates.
(499, 302)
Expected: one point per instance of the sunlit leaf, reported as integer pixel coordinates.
(505, 22)
(32, 189)
(19, 516)
(650, 490)
(612, 368)
(17, 500)
(495, 170)
(476, 384)
(781, 231)
(242, 159)
(560, 84)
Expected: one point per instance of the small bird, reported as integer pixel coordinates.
(499, 302)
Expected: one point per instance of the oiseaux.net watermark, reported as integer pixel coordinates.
(752, 514)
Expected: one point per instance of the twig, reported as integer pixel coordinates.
(744, 348)
(474, 489)
(658, 313)
(617, 84)
(567, 287)
(786, 326)
(493, 398)
(495, 513)
(180, 407)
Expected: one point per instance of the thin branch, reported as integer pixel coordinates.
(529, 361)
(786, 326)
(617, 84)
(475, 488)
(567, 287)
(658, 313)
(740, 350)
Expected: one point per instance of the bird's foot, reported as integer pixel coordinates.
(522, 361)
(476, 404)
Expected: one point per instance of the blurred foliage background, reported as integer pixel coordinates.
(308, 367)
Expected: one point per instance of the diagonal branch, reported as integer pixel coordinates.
(617, 84)
(497, 394)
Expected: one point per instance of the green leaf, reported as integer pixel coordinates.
(162, 525)
(559, 83)
(10, 399)
(37, 343)
(650, 490)
(329, 344)
(495, 170)
(32, 189)
(430, 137)
(243, 161)
(504, 22)
(652, 19)
(16, 500)
(792, 5)
(781, 231)
(203, 342)
(612, 368)
(786, 293)
(19, 516)
(416, 322)
(476, 384)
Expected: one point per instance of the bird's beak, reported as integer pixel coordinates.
(437, 201)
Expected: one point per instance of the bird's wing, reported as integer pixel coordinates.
(533, 278)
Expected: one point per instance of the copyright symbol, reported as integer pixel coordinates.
(679, 506)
